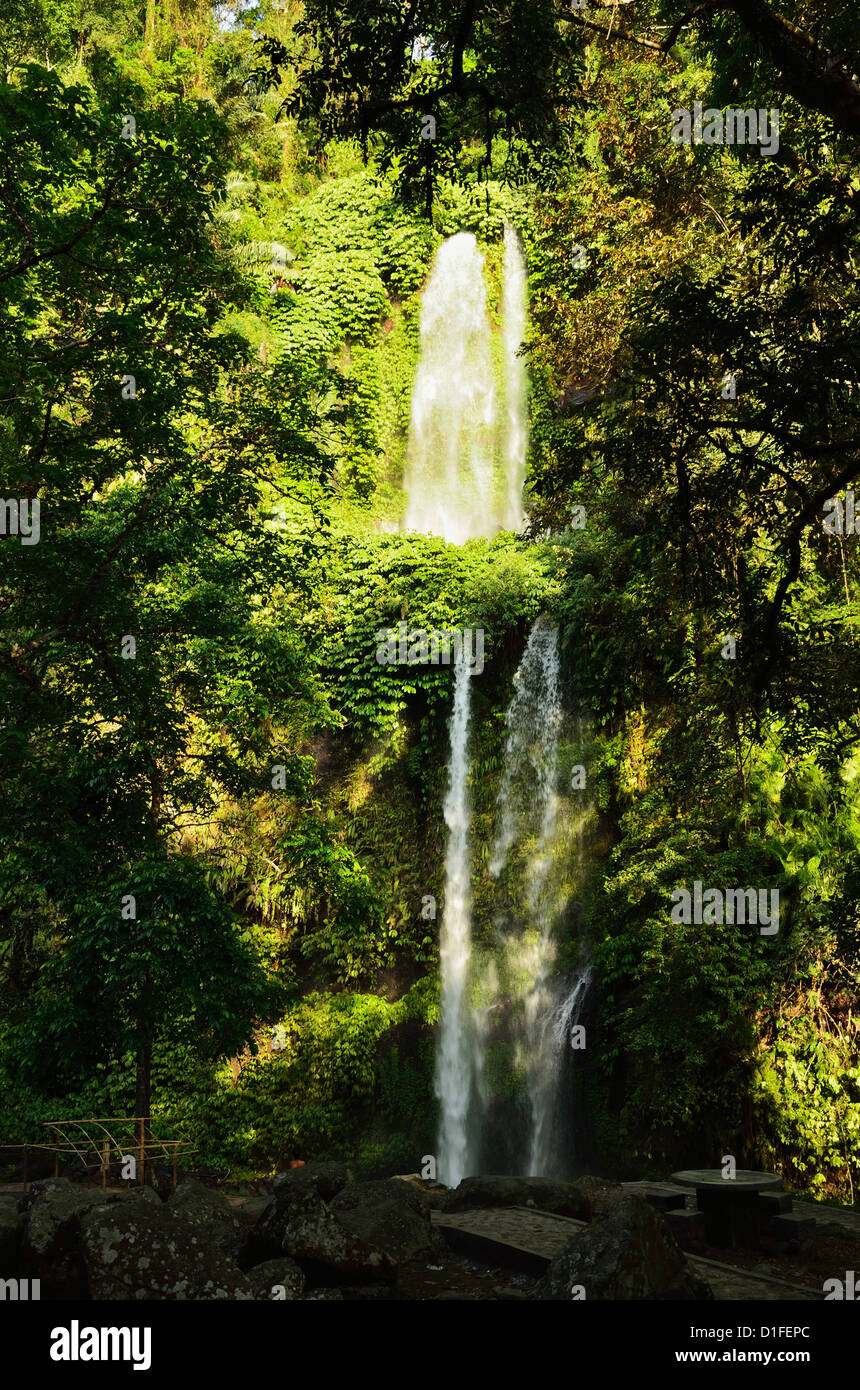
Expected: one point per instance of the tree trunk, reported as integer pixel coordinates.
(142, 1099)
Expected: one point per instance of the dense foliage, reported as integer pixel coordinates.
(220, 816)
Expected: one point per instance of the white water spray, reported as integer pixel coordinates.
(527, 798)
(464, 477)
(547, 1006)
(465, 462)
(449, 461)
(454, 1059)
(528, 803)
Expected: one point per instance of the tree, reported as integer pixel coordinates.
(143, 679)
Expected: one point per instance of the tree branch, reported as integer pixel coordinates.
(606, 33)
(813, 75)
(37, 257)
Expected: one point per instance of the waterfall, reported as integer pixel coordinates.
(532, 722)
(465, 463)
(455, 1061)
(464, 476)
(550, 1028)
(515, 378)
(528, 802)
(543, 1007)
(449, 460)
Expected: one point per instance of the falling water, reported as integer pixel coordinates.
(449, 461)
(455, 1062)
(465, 471)
(515, 378)
(550, 1030)
(543, 1006)
(528, 802)
(533, 721)
(465, 460)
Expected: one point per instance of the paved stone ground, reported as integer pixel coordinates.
(848, 1222)
(539, 1234)
(533, 1238)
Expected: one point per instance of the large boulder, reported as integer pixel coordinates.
(545, 1194)
(11, 1234)
(389, 1215)
(326, 1179)
(276, 1275)
(434, 1193)
(210, 1214)
(262, 1237)
(253, 1208)
(601, 1193)
(131, 1252)
(630, 1253)
(306, 1229)
(51, 1247)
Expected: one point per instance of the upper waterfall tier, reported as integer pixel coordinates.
(465, 462)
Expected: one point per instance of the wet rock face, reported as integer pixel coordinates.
(132, 1253)
(390, 1215)
(630, 1253)
(544, 1194)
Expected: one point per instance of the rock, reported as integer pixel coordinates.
(326, 1179)
(435, 1193)
(630, 1253)
(208, 1211)
(251, 1211)
(283, 1271)
(141, 1253)
(51, 1248)
(263, 1237)
(371, 1293)
(11, 1234)
(140, 1199)
(389, 1215)
(546, 1194)
(601, 1193)
(313, 1235)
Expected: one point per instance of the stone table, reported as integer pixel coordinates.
(730, 1205)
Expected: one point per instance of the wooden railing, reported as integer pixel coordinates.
(109, 1140)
